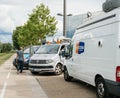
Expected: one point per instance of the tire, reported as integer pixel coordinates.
(15, 63)
(58, 69)
(101, 90)
(66, 75)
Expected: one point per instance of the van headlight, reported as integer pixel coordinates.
(49, 61)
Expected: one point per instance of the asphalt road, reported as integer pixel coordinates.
(47, 85)
(13, 85)
(57, 87)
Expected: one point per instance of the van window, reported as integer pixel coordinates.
(48, 49)
(27, 50)
(62, 48)
(69, 50)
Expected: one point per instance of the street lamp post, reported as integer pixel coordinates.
(64, 22)
(64, 17)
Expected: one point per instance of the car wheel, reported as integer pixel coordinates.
(15, 64)
(101, 89)
(66, 75)
(58, 69)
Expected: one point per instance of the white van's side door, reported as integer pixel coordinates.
(70, 61)
(75, 61)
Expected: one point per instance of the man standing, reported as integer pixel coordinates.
(20, 60)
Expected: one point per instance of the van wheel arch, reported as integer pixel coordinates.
(67, 77)
(97, 76)
(101, 89)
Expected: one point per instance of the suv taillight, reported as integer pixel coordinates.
(118, 74)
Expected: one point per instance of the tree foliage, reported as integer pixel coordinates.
(39, 25)
(6, 47)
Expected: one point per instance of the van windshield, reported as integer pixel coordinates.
(48, 49)
(27, 51)
(33, 49)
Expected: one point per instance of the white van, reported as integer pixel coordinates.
(48, 58)
(94, 54)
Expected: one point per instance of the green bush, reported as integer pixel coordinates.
(5, 47)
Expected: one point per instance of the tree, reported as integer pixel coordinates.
(31, 37)
(15, 37)
(41, 23)
(6, 47)
(0, 47)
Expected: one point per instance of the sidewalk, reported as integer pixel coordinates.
(13, 85)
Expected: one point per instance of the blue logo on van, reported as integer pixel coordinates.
(81, 47)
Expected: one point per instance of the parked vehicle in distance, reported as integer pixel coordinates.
(27, 54)
(47, 59)
(94, 54)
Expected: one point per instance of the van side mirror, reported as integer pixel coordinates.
(66, 54)
(62, 53)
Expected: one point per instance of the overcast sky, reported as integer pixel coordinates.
(15, 12)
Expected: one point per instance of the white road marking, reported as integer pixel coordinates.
(5, 84)
(9, 73)
(3, 90)
(36, 88)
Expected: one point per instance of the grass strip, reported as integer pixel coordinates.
(4, 57)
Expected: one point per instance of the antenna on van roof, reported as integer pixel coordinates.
(89, 14)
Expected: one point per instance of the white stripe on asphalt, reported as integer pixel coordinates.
(9, 73)
(3, 90)
(5, 84)
(36, 88)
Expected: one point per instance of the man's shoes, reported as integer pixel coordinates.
(17, 72)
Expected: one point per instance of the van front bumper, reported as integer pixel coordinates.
(113, 87)
(48, 68)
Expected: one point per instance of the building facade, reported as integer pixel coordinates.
(72, 22)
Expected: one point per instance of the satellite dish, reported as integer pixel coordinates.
(110, 5)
